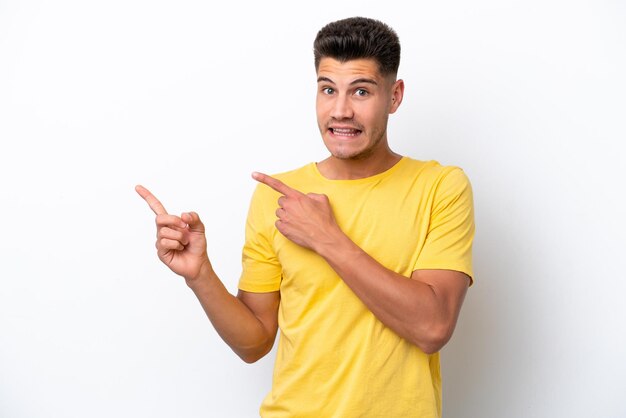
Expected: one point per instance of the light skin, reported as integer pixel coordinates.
(353, 104)
(247, 322)
(354, 101)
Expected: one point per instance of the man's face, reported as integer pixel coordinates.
(353, 105)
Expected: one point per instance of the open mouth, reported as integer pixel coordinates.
(349, 132)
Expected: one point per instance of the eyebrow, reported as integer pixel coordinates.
(357, 81)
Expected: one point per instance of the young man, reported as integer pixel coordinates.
(363, 259)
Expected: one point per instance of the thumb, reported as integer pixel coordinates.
(193, 220)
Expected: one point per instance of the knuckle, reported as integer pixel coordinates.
(161, 244)
(168, 233)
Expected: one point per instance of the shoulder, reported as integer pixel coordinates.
(433, 172)
(296, 174)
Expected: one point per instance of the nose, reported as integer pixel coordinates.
(342, 107)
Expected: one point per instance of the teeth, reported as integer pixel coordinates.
(344, 131)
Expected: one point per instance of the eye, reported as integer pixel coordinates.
(328, 90)
(361, 92)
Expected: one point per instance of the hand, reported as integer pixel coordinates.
(305, 219)
(181, 243)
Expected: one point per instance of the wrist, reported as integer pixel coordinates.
(205, 273)
(332, 244)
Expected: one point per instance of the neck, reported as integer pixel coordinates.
(334, 168)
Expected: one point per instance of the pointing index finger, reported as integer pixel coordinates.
(275, 184)
(152, 201)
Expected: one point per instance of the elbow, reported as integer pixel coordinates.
(248, 358)
(252, 354)
(432, 340)
(431, 347)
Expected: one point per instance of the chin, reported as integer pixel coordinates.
(353, 151)
(355, 155)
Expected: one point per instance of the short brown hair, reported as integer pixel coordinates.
(359, 37)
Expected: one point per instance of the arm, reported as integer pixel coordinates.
(423, 309)
(248, 322)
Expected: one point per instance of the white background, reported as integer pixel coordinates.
(189, 97)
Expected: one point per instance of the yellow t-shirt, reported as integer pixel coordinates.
(334, 357)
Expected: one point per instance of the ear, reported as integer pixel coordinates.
(397, 93)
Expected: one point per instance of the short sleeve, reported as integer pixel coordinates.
(451, 230)
(261, 270)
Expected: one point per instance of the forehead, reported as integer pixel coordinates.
(335, 70)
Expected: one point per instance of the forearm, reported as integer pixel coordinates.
(409, 307)
(232, 319)
(422, 309)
